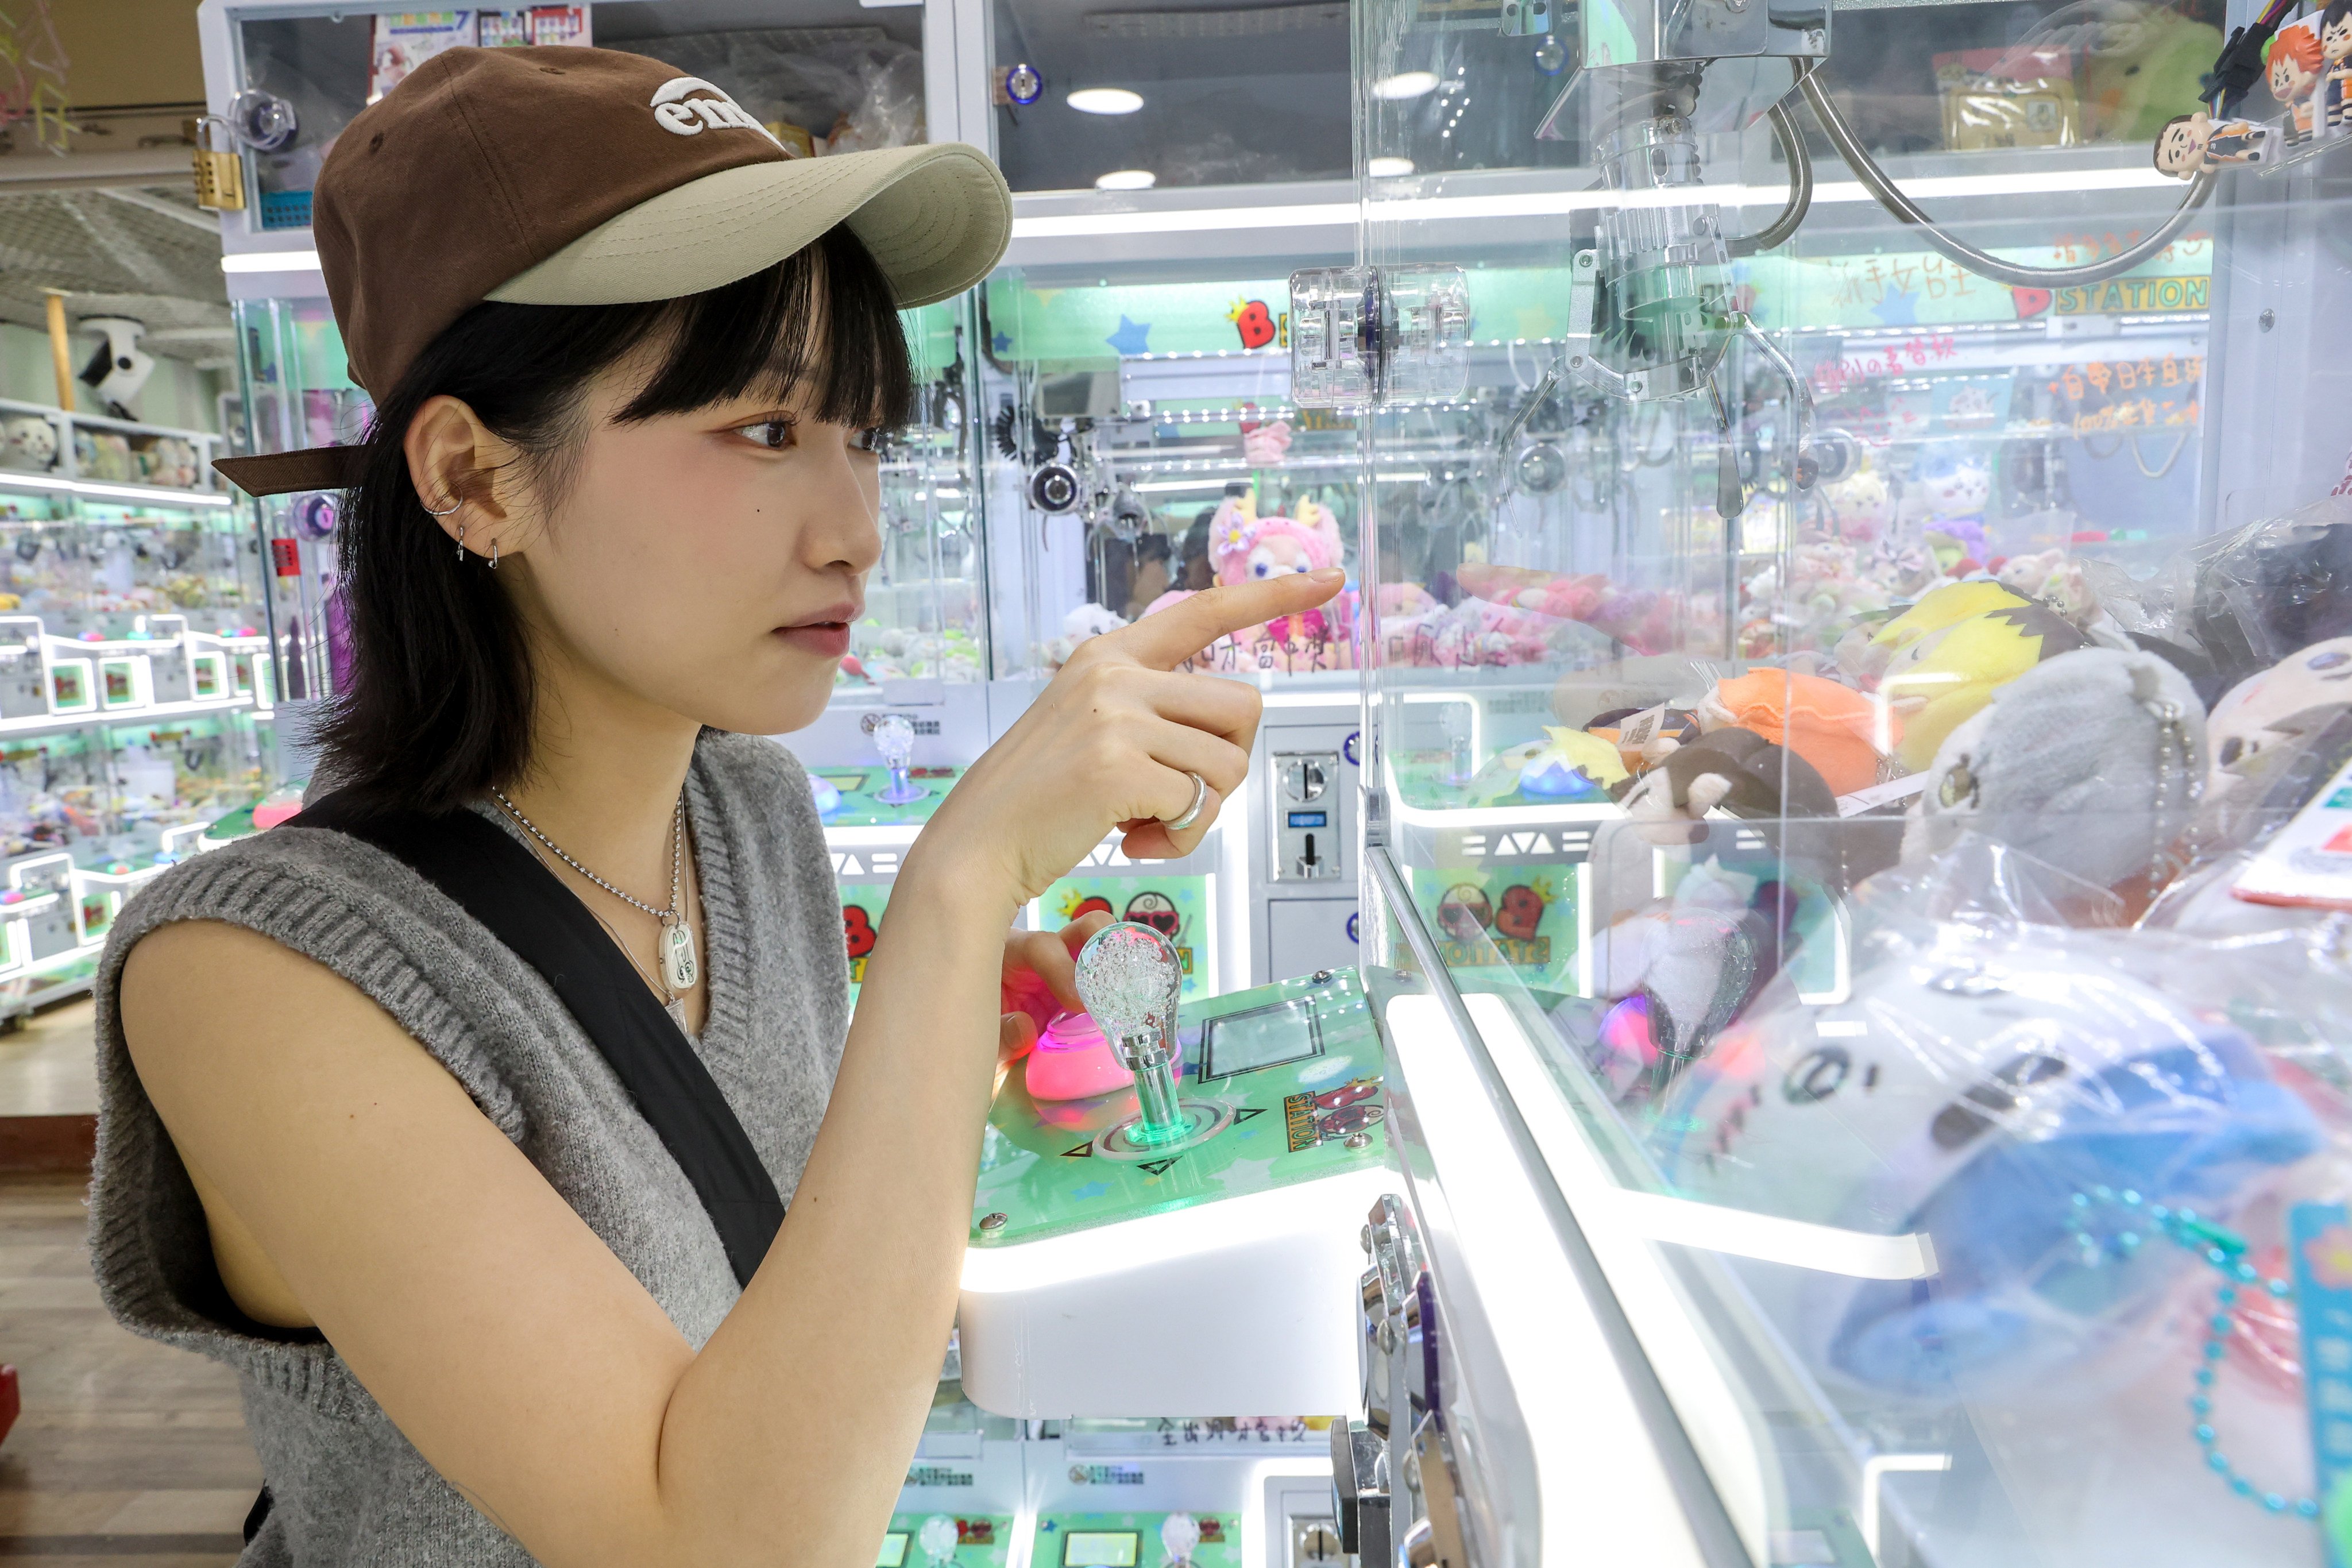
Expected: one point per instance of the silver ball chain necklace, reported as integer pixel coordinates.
(680, 969)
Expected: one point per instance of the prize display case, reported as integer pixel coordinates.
(135, 707)
(1855, 770)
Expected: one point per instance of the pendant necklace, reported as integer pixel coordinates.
(680, 969)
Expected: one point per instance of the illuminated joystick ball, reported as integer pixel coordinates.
(1131, 981)
(938, 1538)
(1178, 1534)
(894, 741)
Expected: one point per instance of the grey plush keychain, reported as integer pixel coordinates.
(2092, 761)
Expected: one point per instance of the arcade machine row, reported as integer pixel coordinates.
(1856, 774)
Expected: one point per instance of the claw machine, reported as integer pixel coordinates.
(1855, 777)
(1171, 168)
(129, 612)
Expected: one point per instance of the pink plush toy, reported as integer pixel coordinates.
(1248, 548)
(1264, 446)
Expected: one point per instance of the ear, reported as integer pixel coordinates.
(455, 460)
(1705, 793)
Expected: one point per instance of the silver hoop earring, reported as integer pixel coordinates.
(445, 511)
(494, 554)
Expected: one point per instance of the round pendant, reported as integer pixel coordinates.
(680, 969)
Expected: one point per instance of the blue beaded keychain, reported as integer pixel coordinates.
(2225, 1251)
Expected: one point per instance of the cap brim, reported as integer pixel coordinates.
(936, 219)
(288, 473)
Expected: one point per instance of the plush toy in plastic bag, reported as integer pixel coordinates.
(1982, 1090)
(2092, 761)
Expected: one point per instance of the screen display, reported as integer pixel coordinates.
(1309, 819)
(894, 1550)
(1287, 1031)
(1100, 1548)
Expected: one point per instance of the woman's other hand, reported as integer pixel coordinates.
(1040, 979)
(1110, 745)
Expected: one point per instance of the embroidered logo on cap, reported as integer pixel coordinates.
(683, 116)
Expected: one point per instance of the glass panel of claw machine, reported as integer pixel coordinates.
(1870, 751)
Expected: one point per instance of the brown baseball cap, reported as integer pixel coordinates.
(577, 176)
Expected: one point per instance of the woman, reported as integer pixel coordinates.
(610, 529)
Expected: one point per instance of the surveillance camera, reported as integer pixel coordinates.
(117, 368)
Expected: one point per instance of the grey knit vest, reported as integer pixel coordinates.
(348, 1488)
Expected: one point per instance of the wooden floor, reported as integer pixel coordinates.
(127, 1454)
(48, 1065)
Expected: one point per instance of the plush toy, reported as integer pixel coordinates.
(1644, 737)
(2282, 704)
(1860, 505)
(1945, 676)
(1644, 620)
(1832, 727)
(2137, 72)
(1738, 770)
(27, 441)
(1864, 654)
(1081, 625)
(1967, 1094)
(1264, 446)
(1951, 492)
(2093, 762)
(1570, 765)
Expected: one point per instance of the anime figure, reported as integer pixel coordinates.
(2190, 145)
(2335, 65)
(1860, 505)
(2295, 59)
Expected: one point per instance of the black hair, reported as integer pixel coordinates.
(2155, 151)
(438, 703)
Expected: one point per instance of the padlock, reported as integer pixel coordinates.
(220, 176)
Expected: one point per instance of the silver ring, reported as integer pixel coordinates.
(1192, 812)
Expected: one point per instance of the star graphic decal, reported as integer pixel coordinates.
(1132, 337)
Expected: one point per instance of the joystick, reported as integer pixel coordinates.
(1132, 980)
(894, 740)
(1179, 1534)
(937, 1539)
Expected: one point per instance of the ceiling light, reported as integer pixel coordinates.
(1406, 84)
(1389, 168)
(1106, 100)
(1126, 180)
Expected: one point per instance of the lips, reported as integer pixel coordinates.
(825, 634)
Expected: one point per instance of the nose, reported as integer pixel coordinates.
(844, 505)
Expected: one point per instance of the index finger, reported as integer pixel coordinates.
(1167, 639)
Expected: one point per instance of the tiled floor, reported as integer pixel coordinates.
(127, 1452)
(49, 1066)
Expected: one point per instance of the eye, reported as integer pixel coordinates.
(775, 435)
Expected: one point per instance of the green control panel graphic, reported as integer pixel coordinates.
(1136, 1540)
(1296, 1066)
(946, 1541)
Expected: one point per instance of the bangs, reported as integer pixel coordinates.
(821, 326)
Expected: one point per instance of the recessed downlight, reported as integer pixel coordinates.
(1389, 168)
(1126, 180)
(1114, 100)
(1405, 84)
